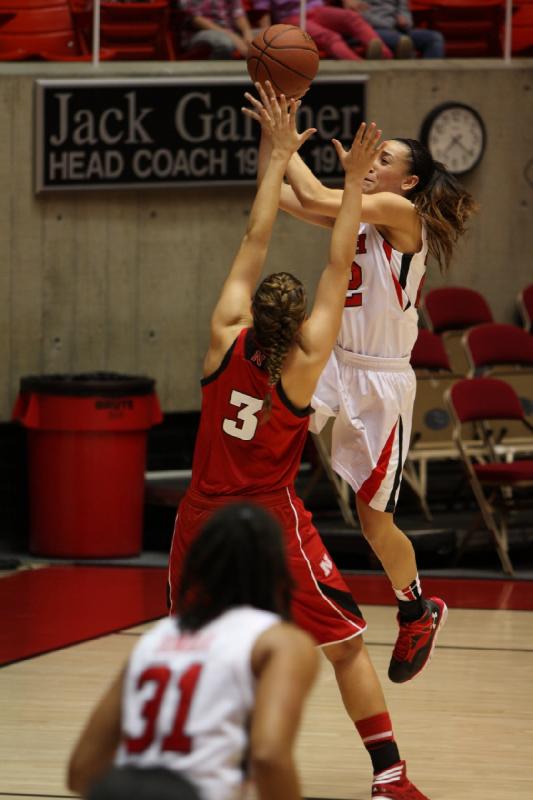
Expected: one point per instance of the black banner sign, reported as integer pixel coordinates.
(174, 132)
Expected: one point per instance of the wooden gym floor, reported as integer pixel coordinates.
(465, 726)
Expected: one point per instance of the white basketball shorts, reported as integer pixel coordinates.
(372, 402)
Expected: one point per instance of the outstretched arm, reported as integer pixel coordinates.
(233, 307)
(289, 201)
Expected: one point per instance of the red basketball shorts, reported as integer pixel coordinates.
(322, 603)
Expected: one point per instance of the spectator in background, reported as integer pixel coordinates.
(221, 25)
(393, 20)
(338, 32)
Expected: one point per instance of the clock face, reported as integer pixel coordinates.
(455, 135)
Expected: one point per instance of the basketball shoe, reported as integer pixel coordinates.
(393, 784)
(416, 641)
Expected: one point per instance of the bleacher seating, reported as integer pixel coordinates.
(134, 31)
(152, 29)
(475, 28)
(36, 29)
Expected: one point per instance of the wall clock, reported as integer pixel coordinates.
(455, 134)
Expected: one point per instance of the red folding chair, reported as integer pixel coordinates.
(505, 351)
(525, 305)
(449, 310)
(497, 344)
(494, 483)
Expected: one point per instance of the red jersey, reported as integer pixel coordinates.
(234, 453)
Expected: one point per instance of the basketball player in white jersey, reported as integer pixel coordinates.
(412, 207)
(221, 686)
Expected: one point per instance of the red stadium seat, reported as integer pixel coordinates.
(471, 28)
(522, 32)
(454, 308)
(495, 344)
(39, 29)
(525, 304)
(135, 31)
(451, 309)
(505, 351)
(482, 401)
(429, 352)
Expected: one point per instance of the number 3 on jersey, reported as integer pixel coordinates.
(354, 299)
(245, 425)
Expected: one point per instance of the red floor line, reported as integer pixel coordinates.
(46, 609)
(457, 592)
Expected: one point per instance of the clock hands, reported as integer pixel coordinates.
(456, 140)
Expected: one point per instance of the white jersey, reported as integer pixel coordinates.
(380, 317)
(188, 697)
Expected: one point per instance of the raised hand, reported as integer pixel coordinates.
(277, 117)
(364, 150)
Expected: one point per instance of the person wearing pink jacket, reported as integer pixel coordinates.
(339, 32)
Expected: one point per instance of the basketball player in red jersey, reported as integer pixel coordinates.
(411, 206)
(264, 360)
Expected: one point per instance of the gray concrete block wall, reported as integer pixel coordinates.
(126, 280)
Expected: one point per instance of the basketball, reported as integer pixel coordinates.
(286, 56)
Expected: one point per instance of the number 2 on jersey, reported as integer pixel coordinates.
(159, 677)
(354, 299)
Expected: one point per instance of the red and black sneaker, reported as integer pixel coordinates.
(416, 641)
(393, 784)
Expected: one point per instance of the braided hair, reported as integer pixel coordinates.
(443, 203)
(279, 307)
(238, 559)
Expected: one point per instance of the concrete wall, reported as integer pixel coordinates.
(126, 280)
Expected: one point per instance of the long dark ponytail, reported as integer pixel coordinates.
(443, 203)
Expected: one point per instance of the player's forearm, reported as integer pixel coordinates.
(263, 156)
(266, 203)
(306, 186)
(345, 230)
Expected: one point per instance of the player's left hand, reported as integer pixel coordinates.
(277, 117)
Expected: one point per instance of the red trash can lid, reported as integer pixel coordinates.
(88, 384)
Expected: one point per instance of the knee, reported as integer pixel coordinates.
(344, 652)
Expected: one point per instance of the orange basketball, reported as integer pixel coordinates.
(286, 56)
